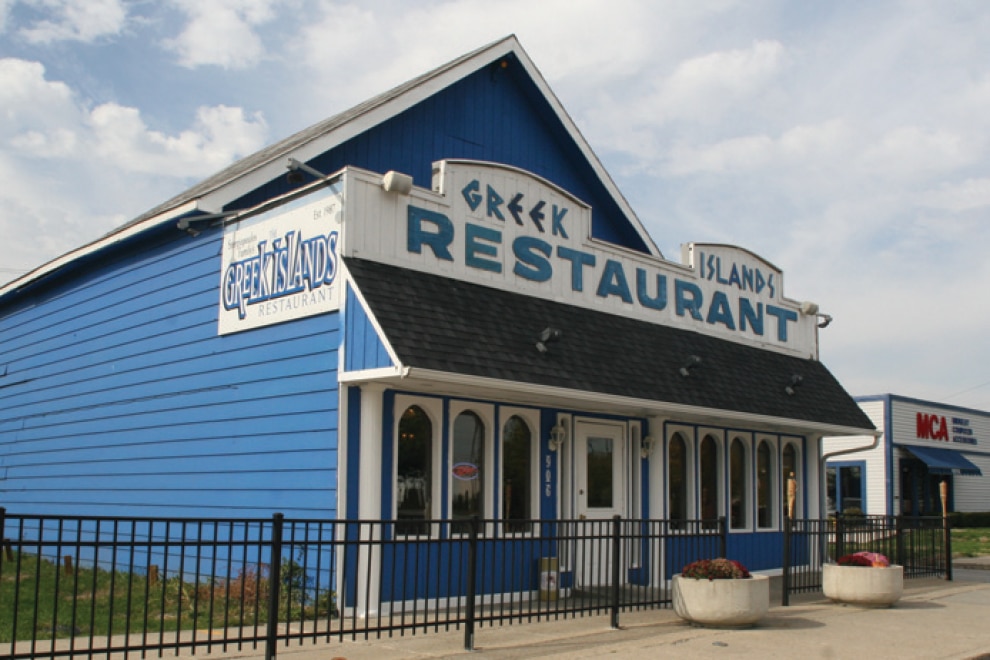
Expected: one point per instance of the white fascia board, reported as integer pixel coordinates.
(640, 407)
(371, 375)
(105, 241)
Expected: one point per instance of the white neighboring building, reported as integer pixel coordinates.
(920, 444)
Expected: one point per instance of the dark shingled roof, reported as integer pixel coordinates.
(433, 322)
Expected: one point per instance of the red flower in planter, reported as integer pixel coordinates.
(715, 569)
(869, 559)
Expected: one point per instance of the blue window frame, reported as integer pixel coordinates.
(845, 487)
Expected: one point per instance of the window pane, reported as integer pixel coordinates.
(764, 485)
(737, 483)
(851, 488)
(599, 476)
(414, 471)
(677, 479)
(467, 466)
(709, 478)
(517, 474)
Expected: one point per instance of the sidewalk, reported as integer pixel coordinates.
(935, 618)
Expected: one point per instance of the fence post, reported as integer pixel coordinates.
(472, 575)
(943, 489)
(723, 541)
(3, 539)
(899, 523)
(840, 533)
(274, 583)
(785, 597)
(616, 568)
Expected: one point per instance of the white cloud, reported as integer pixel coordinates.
(577, 44)
(717, 82)
(43, 119)
(75, 20)
(962, 196)
(5, 6)
(72, 171)
(219, 134)
(222, 32)
(911, 151)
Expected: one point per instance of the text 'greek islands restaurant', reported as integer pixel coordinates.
(435, 305)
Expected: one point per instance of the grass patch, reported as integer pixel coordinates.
(970, 542)
(40, 600)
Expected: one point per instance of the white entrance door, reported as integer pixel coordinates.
(600, 494)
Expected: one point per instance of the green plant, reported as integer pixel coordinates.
(715, 569)
(971, 542)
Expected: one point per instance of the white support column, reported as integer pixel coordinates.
(657, 494)
(815, 477)
(370, 498)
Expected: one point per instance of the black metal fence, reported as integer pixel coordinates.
(922, 545)
(82, 586)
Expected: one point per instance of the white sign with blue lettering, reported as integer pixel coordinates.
(507, 228)
(282, 265)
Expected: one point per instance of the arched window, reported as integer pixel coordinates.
(709, 482)
(414, 472)
(517, 475)
(738, 485)
(677, 481)
(468, 467)
(766, 485)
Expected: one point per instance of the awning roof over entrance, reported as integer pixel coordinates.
(943, 461)
(446, 325)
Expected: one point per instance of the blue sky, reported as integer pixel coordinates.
(845, 142)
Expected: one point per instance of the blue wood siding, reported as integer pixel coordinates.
(757, 551)
(363, 347)
(494, 115)
(120, 398)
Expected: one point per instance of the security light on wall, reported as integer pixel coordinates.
(185, 223)
(297, 166)
(809, 308)
(397, 182)
(558, 436)
(646, 446)
(547, 335)
(692, 362)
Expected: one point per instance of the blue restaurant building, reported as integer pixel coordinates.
(434, 305)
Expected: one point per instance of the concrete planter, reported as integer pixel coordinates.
(863, 585)
(722, 603)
